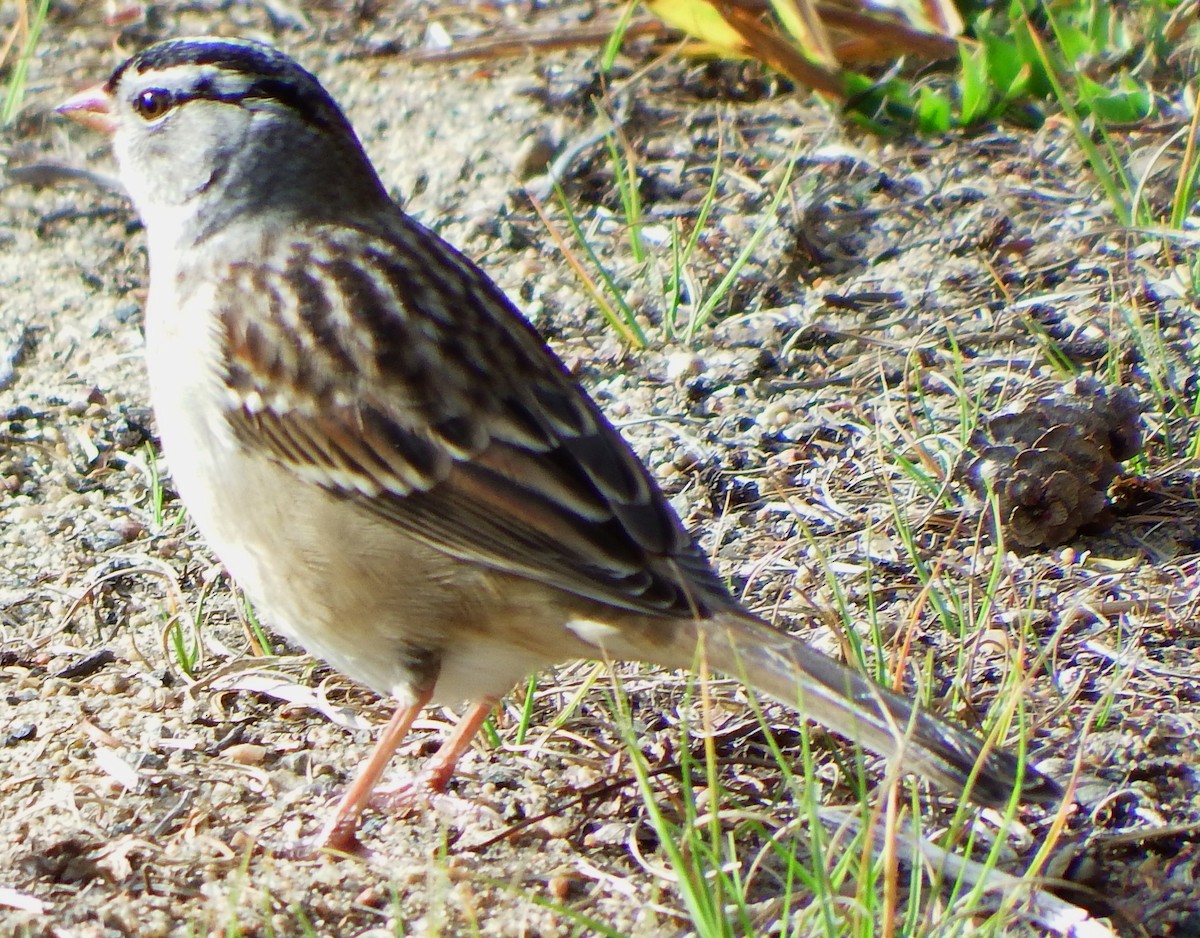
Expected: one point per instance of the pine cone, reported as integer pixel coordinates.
(1050, 459)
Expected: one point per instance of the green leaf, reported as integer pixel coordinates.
(1007, 67)
(1037, 82)
(1124, 105)
(880, 107)
(933, 110)
(1074, 43)
(976, 98)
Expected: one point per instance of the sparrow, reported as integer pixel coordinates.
(388, 458)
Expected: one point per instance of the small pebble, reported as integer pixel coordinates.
(246, 754)
(370, 898)
(559, 887)
(534, 154)
(128, 529)
(684, 365)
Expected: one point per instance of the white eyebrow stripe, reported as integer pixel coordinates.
(200, 80)
(227, 83)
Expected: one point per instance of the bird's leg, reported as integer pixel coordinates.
(438, 771)
(440, 768)
(341, 831)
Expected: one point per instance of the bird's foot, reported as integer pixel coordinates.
(337, 837)
(426, 791)
(410, 795)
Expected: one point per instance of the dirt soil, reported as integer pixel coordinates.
(157, 759)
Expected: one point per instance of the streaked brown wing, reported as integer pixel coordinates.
(391, 371)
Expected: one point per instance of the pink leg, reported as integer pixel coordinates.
(438, 771)
(341, 831)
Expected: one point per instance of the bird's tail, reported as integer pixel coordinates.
(799, 676)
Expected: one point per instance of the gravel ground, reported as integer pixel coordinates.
(156, 759)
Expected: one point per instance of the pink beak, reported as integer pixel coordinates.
(92, 108)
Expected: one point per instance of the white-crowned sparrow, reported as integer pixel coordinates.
(389, 459)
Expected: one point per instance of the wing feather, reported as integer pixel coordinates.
(388, 369)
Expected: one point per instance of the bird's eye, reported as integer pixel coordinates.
(153, 103)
